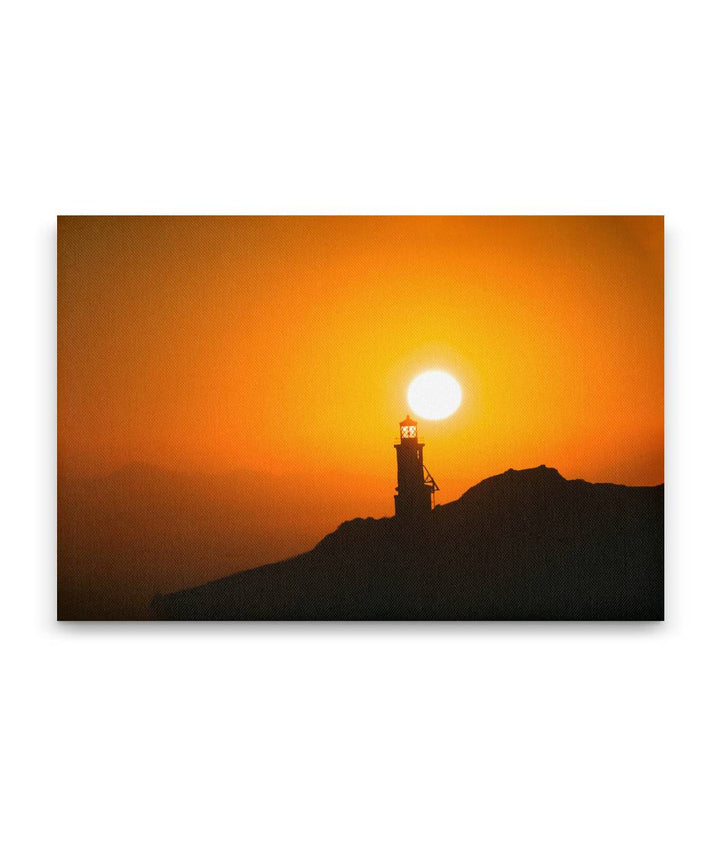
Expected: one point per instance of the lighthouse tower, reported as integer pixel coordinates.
(415, 486)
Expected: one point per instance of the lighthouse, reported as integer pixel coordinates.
(415, 486)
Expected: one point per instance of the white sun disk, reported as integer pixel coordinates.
(434, 395)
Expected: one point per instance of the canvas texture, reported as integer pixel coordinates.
(360, 418)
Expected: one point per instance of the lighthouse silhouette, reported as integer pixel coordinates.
(415, 486)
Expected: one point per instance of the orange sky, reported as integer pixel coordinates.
(285, 345)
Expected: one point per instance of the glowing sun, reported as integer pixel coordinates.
(434, 395)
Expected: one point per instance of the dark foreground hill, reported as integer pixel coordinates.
(522, 545)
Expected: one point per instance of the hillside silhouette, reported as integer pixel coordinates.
(526, 544)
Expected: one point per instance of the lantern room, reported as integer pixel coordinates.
(408, 429)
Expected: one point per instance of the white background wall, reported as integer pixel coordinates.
(494, 739)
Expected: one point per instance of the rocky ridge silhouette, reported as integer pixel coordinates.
(523, 545)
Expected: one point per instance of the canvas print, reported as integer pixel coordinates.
(360, 418)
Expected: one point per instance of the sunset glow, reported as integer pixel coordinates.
(286, 344)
